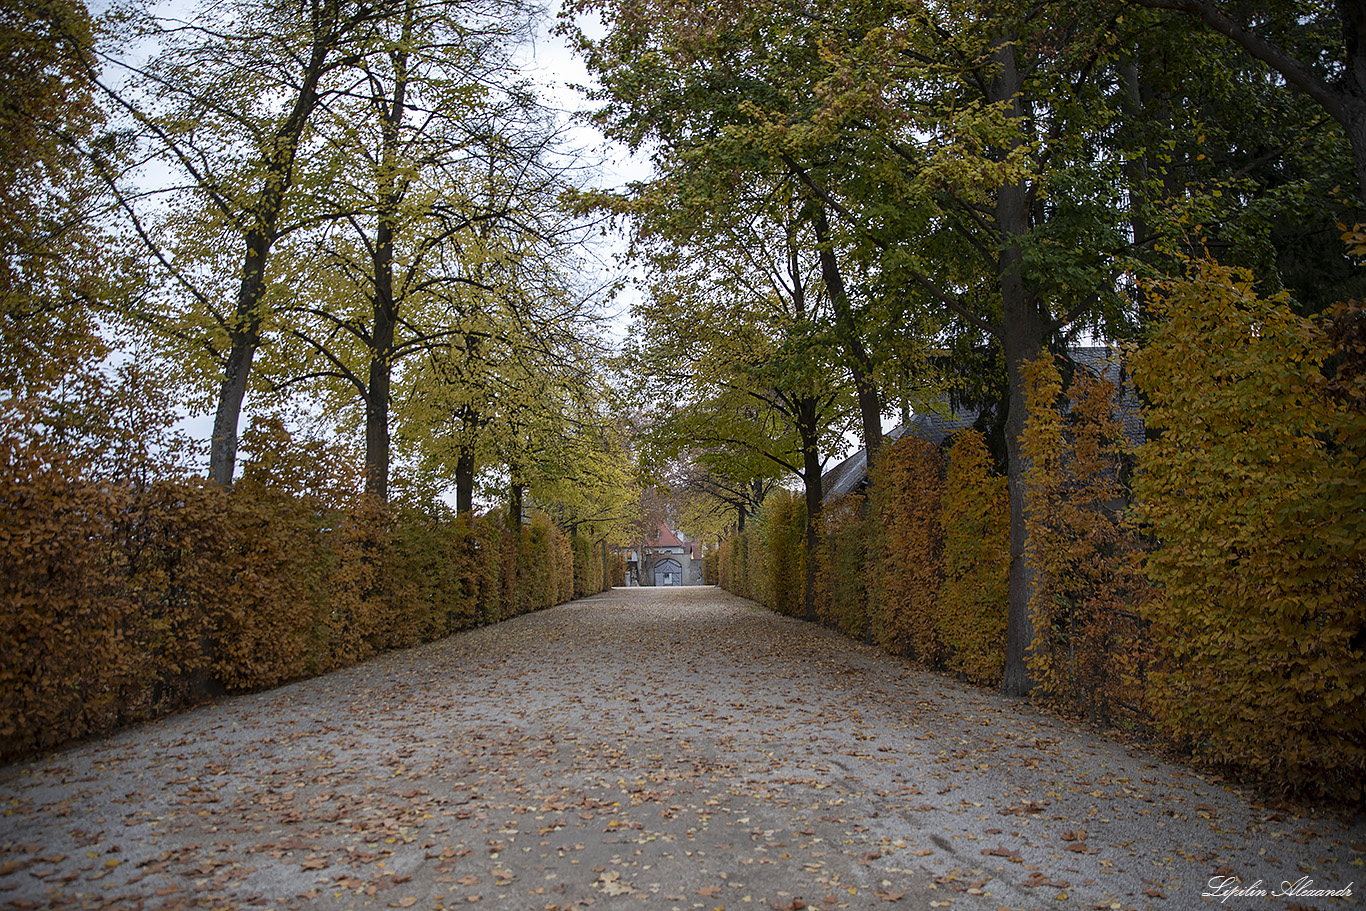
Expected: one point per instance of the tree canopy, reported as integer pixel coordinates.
(361, 211)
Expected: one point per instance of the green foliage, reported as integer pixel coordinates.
(730, 564)
(1255, 494)
(56, 265)
(588, 567)
(920, 564)
(841, 581)
(782, 528)
(767, 561)
(972, 598)
(711, 566)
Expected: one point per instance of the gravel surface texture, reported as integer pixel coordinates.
(645, 748)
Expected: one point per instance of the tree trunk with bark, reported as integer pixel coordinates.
(377, 392)
(1023, 333)
(263, 219)
(809, 433)
(464, 479)
(384, 305)
(860, 364)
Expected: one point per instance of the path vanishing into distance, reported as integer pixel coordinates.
(643, 749)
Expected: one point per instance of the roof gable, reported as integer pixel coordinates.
(937, 425)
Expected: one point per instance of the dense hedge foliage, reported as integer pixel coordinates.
(1255, 492)
(972, 598)
(591, 566)
(767, 562)
(907, 543)
(1218, 598)
(124, 600)
(841, 584)
(1091, 644)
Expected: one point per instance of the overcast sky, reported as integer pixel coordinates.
(555, 69)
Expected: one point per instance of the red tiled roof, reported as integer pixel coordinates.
(667, 538)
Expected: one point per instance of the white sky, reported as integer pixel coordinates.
(554, 68)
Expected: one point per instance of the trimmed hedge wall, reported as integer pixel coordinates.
(120, 601)
(1225, 609)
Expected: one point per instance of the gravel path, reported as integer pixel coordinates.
(646, 748)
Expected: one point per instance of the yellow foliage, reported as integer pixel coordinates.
(841, 573)
(973, 596)
(777, 554)
(907, 569)
(767, 562)
(123, 600)
(1255, 493)
(1090, 647)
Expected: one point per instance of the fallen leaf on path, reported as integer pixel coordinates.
(611, 884)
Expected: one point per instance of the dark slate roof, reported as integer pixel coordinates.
(1106, 363)
(939, 424)
(849, 475)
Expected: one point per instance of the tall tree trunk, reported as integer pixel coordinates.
(515, 506)
(246, 338)
(1022, 341)
(1141, 108)
(262, 232)
(1137, 168)
(236, 374)
(464, 480)
(809, 433)
(1352, 88)
(377, 393)
(391, 112)
(860, 364)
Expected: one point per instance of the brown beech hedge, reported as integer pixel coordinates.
(1208, 586)
(123, 600)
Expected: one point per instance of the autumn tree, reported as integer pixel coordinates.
(714, 496)
(58, 265)
(674, 83)
(734, 344)
(951, 148)
(1316, 48)
(1221, 156)
(443, 184)
(226, 106)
